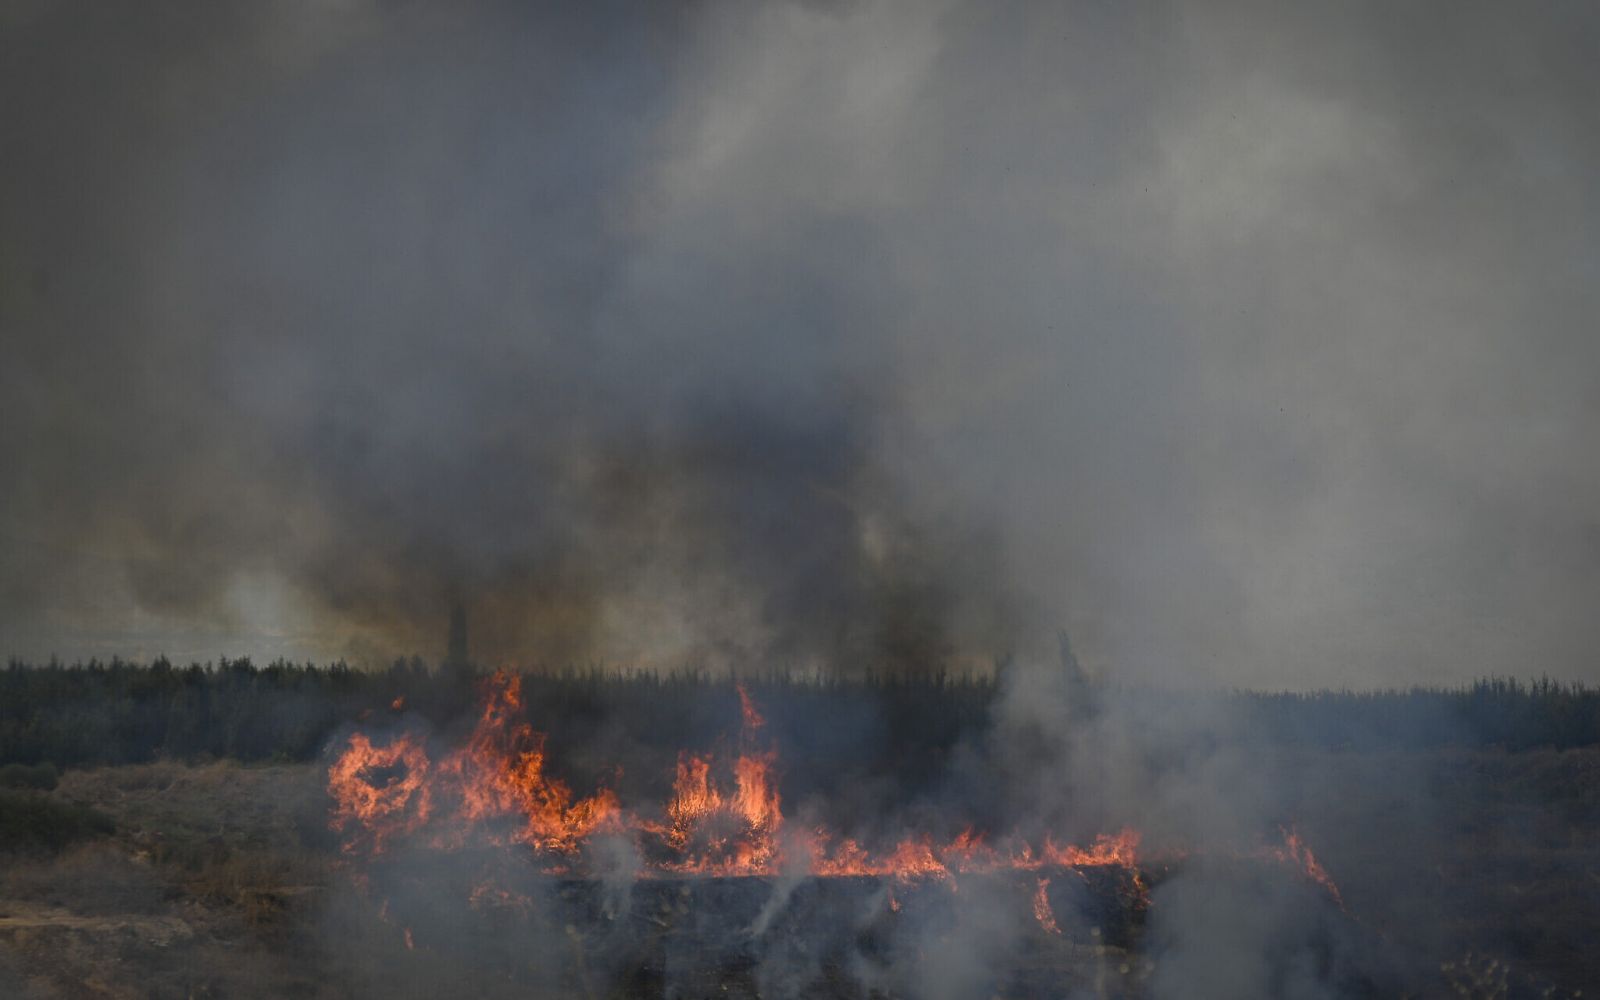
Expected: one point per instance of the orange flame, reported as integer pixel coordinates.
(751, 718)
(382, 792)
(498, 776)
(1109, 849)
(1041, 907)
(1295, 851)
(721, 819)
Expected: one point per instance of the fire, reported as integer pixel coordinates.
(751, 718)
(694, 797)
(488, 895)
(495, 787)
(380, 792)
(1295, 852)
(724, 817)
(967, 853)
(500, 775)
(912, 859)
(1041, 907)
(719, 832)
(1109, 849)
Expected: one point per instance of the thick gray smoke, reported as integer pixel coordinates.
(1251, 344)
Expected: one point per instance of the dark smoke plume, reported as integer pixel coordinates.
(1249, 344)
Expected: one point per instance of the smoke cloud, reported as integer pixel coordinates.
(1248, 343)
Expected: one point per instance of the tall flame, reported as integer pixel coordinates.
(500, 774)
(494, 788)
(380, 792)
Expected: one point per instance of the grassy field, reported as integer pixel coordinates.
(221, 880)
(164, 833)
(200, 886)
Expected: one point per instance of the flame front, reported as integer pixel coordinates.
(720, 820)
(492, 790)
(499, 776)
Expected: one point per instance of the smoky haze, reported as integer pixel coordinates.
(1252, 344)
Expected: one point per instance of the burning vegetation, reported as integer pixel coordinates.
(724, 819)
(547, 836)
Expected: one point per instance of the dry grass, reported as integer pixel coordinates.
(215, 882)
(197, 893)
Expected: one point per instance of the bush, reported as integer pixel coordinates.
(31, 821)
(41, 777)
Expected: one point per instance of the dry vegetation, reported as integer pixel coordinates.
(199, 892)
(218, 880)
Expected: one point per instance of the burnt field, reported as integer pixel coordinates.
(899, 838)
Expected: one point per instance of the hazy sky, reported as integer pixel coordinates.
(1254, 344)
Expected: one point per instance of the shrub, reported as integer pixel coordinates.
(31, 821)
(41, 777)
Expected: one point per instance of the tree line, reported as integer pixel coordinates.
(117, 712)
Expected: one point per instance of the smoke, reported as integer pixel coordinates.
(1063, 754)
(1247, 343)
(616, 864)
(403, 329)
(1218, 936)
